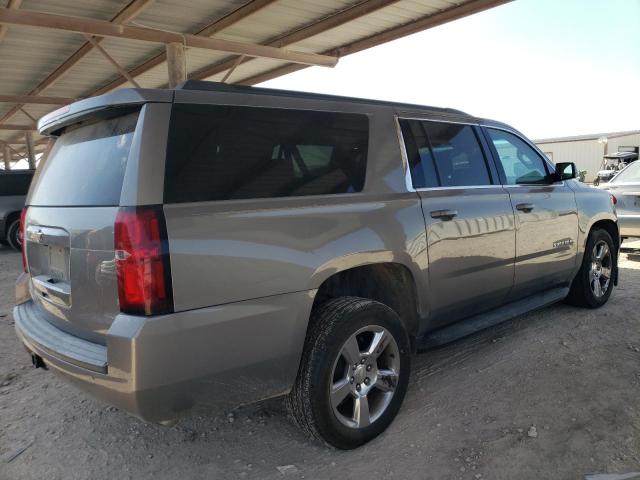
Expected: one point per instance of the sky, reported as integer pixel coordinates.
(549, 68)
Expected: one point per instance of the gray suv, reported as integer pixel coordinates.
(215, 245)
(14, 186)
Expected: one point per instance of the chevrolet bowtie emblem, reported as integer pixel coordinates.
(36, 236)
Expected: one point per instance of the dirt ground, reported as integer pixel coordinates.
(470, 412)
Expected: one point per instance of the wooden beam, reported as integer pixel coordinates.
(35, 99)
(134, 8)
(332, 21)
(211, 29)
(424, 23)
(7, 157)
(176, 64)
(94, 41)
(31, 117)
(41, 141)
(107, 29)
(3, 143)
(31, 151)
(6, 126)
(13, 4)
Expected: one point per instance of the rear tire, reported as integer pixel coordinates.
(13, 234)
(593, 284)
(353, 374)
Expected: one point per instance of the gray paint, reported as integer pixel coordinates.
(246, 271)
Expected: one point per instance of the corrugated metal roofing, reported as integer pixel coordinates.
(28, 55)
(592, 136)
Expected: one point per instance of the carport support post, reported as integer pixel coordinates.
(31, 155)
(7, 157)
(176, 64)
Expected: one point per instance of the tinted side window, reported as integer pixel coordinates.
(230, 152)
(421, 165)
(458, 156)
(520, 163)
(15, 183)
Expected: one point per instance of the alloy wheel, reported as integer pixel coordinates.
(365, 376)
(600, 270)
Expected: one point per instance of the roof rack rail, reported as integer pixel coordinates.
(201, 85)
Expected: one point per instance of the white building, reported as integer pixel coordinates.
(586, 151)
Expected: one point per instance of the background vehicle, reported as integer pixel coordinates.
(14, 186)
(612, 164)
(289, 243)
(626, 188)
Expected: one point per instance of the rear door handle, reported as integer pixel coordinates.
(444, 214)
(525, 207)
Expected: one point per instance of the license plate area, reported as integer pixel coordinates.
(47, 251)
(58, 264)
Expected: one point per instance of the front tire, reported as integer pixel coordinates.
(13, 235)
(354, 372)
(593, 284)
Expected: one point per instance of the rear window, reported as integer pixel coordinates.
(230, 152)
(86, 165)
(15, 184)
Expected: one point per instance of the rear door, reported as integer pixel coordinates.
(546, 215)
(469, 219)
(72, 206)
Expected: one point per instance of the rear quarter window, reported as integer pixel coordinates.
(231, 152)
(87, 164)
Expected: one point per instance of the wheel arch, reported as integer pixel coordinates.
(391, 283)
(611, 227)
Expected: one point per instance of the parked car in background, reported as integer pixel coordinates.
(215, 245)
(625, 186)
(14, 185)
(612, 164)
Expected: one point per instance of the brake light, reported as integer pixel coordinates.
(23, 219)
(614, 200)
(142, 261)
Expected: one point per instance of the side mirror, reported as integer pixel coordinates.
(565, 171)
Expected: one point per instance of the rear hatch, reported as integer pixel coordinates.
(69, 227)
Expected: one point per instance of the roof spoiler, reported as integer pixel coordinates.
(77, 111)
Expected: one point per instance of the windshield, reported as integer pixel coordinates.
(631, 174)
(86, 165)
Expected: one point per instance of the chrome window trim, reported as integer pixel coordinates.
(422, 119)
(460, 187)
(405, 159)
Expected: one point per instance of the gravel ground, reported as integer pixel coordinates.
(550, 395)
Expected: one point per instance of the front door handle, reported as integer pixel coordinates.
(444, 214)
(525, 207)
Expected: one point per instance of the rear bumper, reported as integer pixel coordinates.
(629, 225)
(157, 368)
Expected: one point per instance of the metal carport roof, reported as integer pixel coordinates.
(55, 51)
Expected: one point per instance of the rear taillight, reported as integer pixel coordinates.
(614, 200)
(23, 221)
(142, 261)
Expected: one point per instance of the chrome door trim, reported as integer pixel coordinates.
(460, 187)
